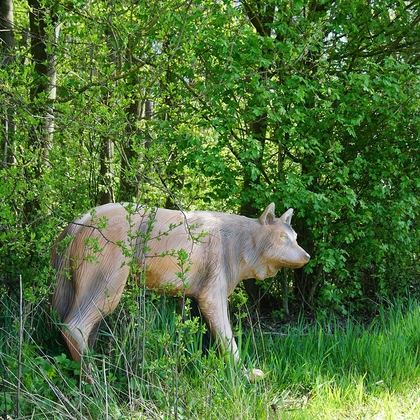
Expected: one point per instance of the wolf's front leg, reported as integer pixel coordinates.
(215, 310)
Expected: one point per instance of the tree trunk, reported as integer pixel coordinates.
(42, 92)
(7, 36)
(258, 130)
(7, 45)
(105, 188)
(128, 185)
(52, 87)
(129, 181)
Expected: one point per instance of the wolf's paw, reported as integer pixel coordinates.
(255, 375)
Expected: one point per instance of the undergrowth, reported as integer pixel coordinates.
(148, 365)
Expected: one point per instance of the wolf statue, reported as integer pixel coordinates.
(94, 255)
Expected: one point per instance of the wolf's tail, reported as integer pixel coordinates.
(64, 292)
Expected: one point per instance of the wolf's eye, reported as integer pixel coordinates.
(283, 236)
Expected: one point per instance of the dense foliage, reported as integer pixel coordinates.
(218, 105)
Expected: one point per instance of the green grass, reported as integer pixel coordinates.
(351, 371)
(148, 366)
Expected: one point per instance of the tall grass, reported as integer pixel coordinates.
(148, 365)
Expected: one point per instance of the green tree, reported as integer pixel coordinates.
(309, 101)
(312, 105)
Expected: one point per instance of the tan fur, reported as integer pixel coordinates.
(223, 249)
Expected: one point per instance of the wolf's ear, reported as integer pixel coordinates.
(268, 215)
(287, 217)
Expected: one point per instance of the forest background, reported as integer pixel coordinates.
(219, 105)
